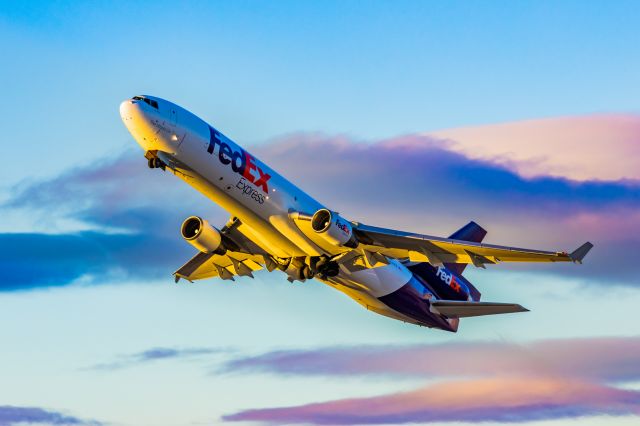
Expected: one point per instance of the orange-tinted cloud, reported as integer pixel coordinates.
(520, 399)
(603, 146)
(477, 381)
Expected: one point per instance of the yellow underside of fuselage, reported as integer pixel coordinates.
(273, 242)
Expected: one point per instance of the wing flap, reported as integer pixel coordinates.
(463, 309)
(226, 266)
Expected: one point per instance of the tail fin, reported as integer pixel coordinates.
(470, 232)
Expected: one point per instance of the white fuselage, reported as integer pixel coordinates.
(251, 191)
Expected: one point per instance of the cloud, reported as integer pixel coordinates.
(119, 194)
(605, 359)
(604, 146)
(415, 183)
(476, 381)
(34, 260)
(133, 223)
(153, 355)
(132, 214)
(12, 415)
(415, 172)
(471, 401)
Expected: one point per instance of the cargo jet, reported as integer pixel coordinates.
(275, 225)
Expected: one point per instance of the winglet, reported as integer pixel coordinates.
(578, 254)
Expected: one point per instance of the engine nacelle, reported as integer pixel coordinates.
(334, 229)
(201, 235)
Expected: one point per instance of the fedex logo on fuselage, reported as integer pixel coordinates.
(241, 161)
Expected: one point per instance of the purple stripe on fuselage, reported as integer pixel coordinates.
(412, 300)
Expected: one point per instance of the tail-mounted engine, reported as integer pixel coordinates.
(333, 228)
(200, 234)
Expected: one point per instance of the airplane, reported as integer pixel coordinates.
(275, 225)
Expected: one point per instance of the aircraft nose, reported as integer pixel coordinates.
(135, 121)
(146, 126)
(128, 109)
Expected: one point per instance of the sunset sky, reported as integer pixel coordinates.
(420, 116)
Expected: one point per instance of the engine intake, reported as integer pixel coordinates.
(201, 235)
(333, 228)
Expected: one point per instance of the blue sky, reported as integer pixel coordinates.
(90, 236)
(261, 69)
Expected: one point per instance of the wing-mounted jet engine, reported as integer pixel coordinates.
(220, 253)
(200, 234)
(333, 228)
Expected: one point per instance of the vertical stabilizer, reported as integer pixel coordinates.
(470, 232)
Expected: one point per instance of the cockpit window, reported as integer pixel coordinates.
(150, 102)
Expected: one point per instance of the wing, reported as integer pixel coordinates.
(226, 266)
(242, 257)
(436, 250)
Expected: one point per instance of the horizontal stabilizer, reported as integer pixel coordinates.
(463, 309)
(578, 254)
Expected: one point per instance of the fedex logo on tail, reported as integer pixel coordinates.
(448, 278)
(241, 161)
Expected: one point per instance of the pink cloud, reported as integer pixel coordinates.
(515, 399)
(477, 381)
(603, 146)
(415, 183)
(606, 359)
